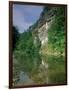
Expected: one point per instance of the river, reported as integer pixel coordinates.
(50, 70)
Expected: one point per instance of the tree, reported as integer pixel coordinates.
(15, 36)
(56, 33)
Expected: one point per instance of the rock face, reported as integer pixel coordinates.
(43, 25)
(43, 31)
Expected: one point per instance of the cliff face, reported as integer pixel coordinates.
(43, 24)
(50, 28)
(43, 32)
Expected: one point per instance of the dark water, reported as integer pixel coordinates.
(41, 70)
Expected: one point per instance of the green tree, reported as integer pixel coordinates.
(15, 36)
(56, 33)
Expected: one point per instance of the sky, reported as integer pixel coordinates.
(25, 16)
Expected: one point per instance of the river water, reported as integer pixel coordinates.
(50, 70)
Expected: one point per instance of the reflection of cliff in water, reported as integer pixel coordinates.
(41, 70)
(53, 67)
(28, 64)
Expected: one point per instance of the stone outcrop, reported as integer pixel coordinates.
(43, 24)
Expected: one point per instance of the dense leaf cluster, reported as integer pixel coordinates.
(56, 33)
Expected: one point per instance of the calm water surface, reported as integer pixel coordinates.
(49, 70)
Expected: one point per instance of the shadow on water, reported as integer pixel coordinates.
(39, 70)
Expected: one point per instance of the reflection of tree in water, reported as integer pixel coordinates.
(28, 64)
(51, 70)
(55, 73)
(28, 61)
(40, 76)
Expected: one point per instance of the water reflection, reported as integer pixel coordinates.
(56, 69)
(41, 70)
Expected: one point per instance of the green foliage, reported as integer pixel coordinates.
(15, 36)
(56, 33)
(26, 44)
(26, 52)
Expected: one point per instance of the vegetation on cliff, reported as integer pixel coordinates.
(56, 34)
